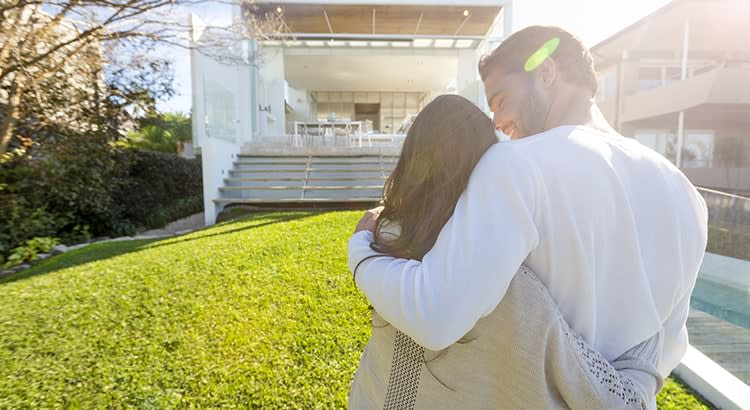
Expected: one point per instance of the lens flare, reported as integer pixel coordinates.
(541, 54)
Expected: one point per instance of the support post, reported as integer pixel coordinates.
(683, 76)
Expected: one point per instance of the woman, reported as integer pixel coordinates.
(523, 354)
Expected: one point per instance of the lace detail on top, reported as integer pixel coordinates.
(600, 370)
(605, 374)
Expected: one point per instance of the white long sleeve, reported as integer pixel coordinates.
(468, 270)
(613, 229)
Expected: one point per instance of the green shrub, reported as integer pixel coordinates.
(159, 132)
(30, 251)
(82, 188)
(153, 188)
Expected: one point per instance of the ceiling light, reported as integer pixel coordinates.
(422, 42)
(444, 43)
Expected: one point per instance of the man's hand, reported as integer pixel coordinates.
(368, 220)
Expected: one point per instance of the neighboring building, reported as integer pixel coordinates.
(338, 71)
(680, 77)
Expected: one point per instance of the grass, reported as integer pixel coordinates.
(256, 313)
(676, 396)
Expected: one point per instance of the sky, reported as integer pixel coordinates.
(591, 20)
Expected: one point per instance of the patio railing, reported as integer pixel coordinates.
(728, 223)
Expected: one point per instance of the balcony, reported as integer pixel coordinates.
(719, 86)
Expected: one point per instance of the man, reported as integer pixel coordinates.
(615, 231)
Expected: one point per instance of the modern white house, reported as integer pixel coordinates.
(316, 112)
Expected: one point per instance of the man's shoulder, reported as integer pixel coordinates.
(505, 165)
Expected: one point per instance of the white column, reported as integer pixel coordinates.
(468, 83)
(683, 76)
(508, 18)
(271, 92)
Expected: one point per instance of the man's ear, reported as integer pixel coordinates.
(547, 72)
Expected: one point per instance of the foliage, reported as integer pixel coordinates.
(159, 132)
(30, 251)
(676, 396)
(153, 188)
(57, 187)
(83, 188)
(256, 313)
(51, 65)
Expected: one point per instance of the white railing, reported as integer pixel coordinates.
(353, 142)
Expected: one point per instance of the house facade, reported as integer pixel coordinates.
(679, 81)
(335, 78)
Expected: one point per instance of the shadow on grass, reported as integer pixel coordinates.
(275, 220)
(105, 250)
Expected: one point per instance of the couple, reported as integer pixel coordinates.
(550, 271)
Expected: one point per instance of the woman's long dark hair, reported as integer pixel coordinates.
(441, 149)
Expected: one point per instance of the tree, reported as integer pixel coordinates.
(52, 58)
(160, 132)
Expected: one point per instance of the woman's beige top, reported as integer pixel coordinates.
(522, 355)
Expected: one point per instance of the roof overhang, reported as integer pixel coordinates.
(717, 26)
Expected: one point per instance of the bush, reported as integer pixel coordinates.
(30, 251)
(153, 188)
(159, 132)
(82, 187)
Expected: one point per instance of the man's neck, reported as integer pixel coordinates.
(575, 107)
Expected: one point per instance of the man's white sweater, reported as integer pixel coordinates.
(613, 229)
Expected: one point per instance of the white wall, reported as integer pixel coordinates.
(221, 118)
(271, 92)
(218, 158)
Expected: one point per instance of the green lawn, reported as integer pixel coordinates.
(256, 313)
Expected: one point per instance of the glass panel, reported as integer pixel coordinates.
(719, 320)
(698, 151)
(220, 111)
(663, 142)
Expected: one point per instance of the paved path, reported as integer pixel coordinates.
(723, 342)
(195, 221)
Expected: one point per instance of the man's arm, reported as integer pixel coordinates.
(675, 337)
(466, 274)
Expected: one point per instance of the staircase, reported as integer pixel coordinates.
(306, 179)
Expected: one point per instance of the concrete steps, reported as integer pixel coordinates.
(284, 179)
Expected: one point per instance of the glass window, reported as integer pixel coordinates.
(663, 142)
(698, 150)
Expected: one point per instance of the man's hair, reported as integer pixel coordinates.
(573, 59)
